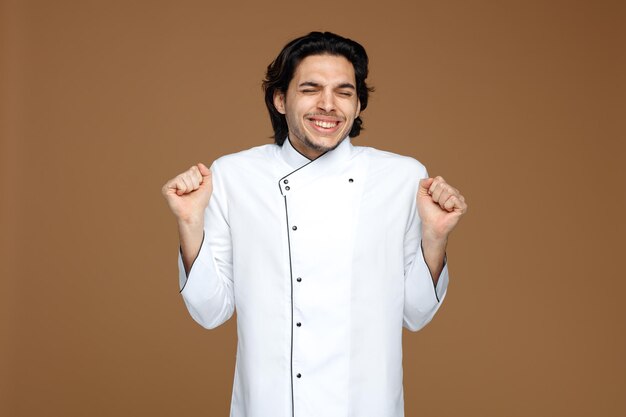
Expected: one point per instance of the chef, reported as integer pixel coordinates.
(325, 249)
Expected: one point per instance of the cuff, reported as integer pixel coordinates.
(202, 272)
(439, 290)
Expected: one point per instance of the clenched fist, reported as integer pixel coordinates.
(188, 194)
(440, 207)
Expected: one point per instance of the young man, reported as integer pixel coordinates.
(325, 249)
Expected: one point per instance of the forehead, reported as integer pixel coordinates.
(327, 69)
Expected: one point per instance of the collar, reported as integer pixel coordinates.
(296, 160)
(291, 155)
(305, 170)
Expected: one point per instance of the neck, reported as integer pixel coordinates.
(311, 151)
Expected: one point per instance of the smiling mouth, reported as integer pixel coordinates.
(325, 124)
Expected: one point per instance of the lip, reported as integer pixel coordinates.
(325, 118)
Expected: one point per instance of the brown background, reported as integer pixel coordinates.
(521, 105)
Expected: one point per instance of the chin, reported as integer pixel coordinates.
(325, 144)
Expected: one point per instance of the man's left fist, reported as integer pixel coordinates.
(440, 206)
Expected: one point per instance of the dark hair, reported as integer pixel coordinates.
(281, 70)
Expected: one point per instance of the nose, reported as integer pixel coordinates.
(326, 101)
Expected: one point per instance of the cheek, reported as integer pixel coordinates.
(352, 108)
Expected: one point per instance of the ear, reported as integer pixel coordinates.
(279, 101)
(358, 108)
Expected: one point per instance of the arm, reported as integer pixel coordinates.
(439, 207)
(424, 289)
(198, 201)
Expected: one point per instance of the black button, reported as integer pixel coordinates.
(294, 227)
(350, 180)
(298, 324)
(299, 375)
(286, 181)
(287, 188)
(298, 279)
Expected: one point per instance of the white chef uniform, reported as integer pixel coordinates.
(322, 261)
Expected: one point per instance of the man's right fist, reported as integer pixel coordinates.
(188, 193)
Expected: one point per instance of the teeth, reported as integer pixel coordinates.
(326, 125)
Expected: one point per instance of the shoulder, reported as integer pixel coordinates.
(393, 163)
(257, 156)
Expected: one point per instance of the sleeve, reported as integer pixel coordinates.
(422, 298)
(208, 290)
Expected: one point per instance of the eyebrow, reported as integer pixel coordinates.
(317, 85)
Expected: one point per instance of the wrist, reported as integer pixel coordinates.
(434, 247)
(433, 239)
(191, 223)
